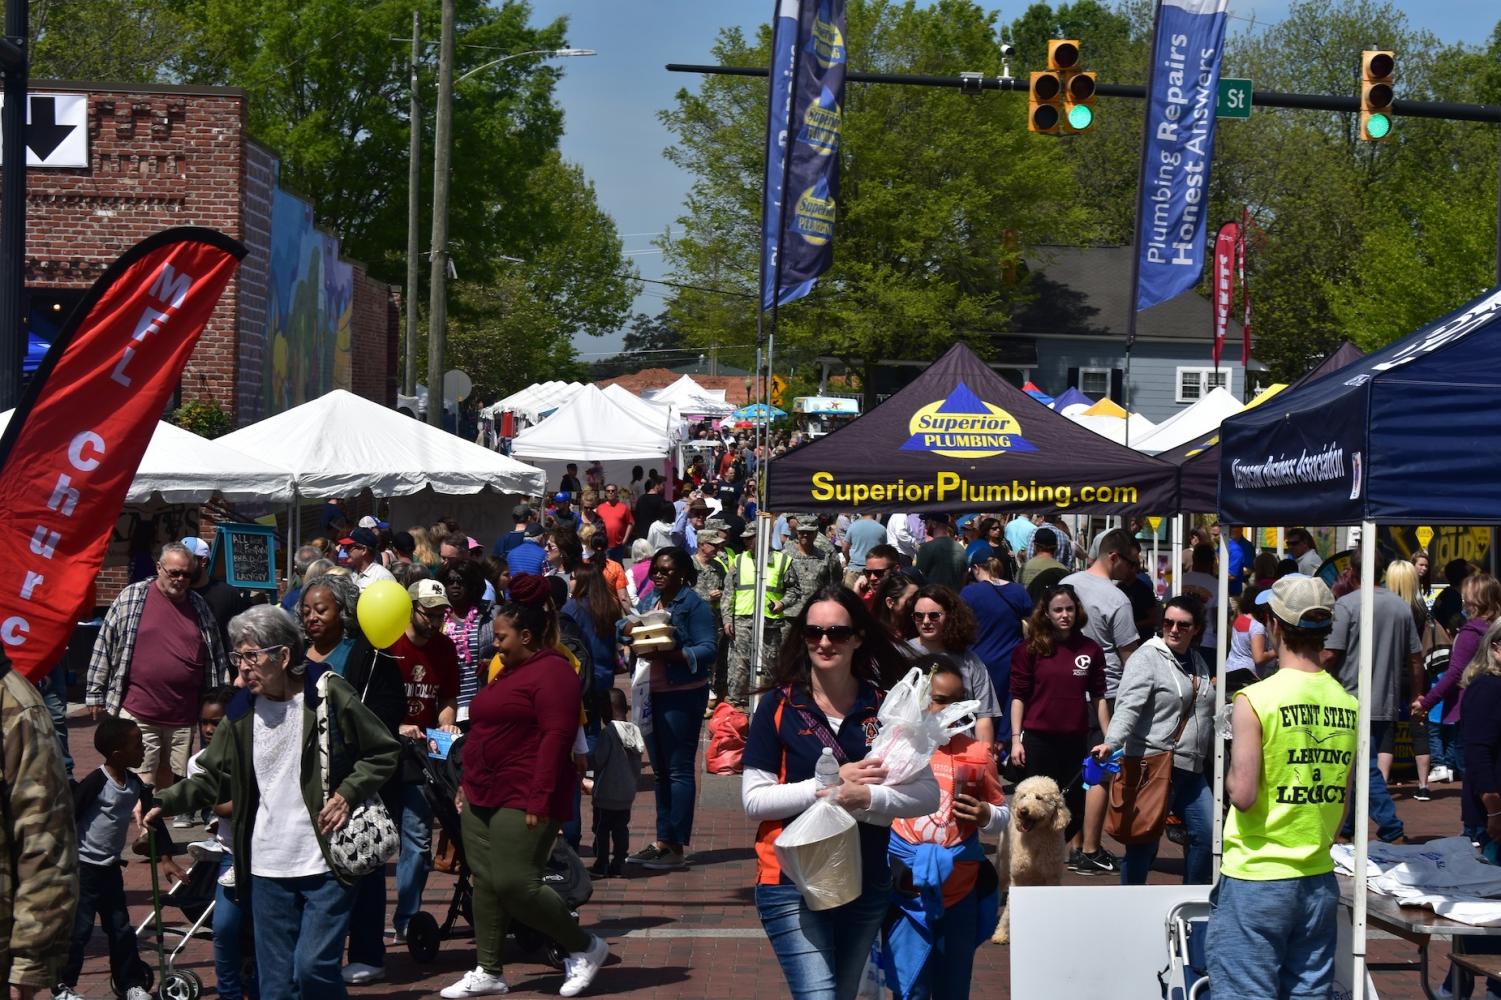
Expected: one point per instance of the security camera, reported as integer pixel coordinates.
(1007, 50)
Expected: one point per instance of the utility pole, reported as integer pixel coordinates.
(437, 311)
(414, 211)
(14, 60)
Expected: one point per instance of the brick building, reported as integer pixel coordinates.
(295, 321)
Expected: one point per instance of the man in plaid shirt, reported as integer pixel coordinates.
(159, 650)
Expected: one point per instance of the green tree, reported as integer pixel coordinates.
(125, 40)
(932, 183)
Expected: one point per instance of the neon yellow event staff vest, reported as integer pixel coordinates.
(1307, 750)
(745, 583)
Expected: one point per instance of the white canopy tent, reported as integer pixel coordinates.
(535, 401)
(181, 467)
(1114, 428)
(1202, 418)
(653, 412)
(591, 426)
(690, 397)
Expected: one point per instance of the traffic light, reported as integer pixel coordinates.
(1377, 70)
(1045, 105)
(1078, 101)
(1062, 97)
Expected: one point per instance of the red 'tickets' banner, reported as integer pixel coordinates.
(73, 445)
(1224, 283)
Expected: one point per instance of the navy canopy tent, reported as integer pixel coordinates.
(1199, 459)
(960, 437)
(1405, 434)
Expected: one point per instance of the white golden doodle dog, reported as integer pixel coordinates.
(1032, 851)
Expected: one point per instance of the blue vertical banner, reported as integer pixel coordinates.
(1173, 198)
(803, 127)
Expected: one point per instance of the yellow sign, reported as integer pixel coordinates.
(1425, 535)
(1156, 523)
(965, 426)
(778, 388)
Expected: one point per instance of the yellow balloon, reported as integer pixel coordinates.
(383, 612)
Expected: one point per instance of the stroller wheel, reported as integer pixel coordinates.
(423, 937)
(553, 954)
(180, 984)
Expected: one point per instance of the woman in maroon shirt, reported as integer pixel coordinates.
(517, 791)
(1057, 678)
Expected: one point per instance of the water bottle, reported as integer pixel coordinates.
(827, 769)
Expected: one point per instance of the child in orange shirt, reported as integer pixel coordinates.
(946, 893)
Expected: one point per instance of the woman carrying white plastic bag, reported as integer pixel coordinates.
(826, 692)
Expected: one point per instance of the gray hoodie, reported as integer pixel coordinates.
(1153, 693)
(617, 765)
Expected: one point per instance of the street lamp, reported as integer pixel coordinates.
(549, 53)
(437, 341)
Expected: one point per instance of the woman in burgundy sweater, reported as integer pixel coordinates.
(517, 791)
(1057, 678)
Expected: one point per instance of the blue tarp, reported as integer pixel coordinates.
(36, 350)
(1405, 435)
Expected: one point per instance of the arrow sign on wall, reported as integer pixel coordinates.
(56, 130)
(43, 133)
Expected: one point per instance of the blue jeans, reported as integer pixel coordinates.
(672, 745)
(1273, 940)
(300, 925)
(822, 952)
(54, 691)
(1383, 810)
(229, 926)
(1445, 748)
(1191, 799)
(101, 890)
(573, 830)
(415, 860)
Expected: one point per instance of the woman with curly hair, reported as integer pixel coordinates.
(946, 625)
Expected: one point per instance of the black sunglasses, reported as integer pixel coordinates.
(837, 634)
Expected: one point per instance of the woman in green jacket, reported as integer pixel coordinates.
(264, 758)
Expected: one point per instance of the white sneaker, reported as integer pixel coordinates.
(580, 968)
(65, 993)
(477, 983)
(356, 973)
(137, 993)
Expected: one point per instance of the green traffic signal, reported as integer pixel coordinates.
(1378, 126)
(1080, 117)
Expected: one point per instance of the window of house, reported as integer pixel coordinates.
(1195, 383)
(1094, 382)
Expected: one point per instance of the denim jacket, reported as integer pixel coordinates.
(693, 620)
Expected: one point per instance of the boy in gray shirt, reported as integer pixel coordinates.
(617, 768)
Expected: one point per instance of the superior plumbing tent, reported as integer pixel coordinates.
(961, 437)
(1402, 436)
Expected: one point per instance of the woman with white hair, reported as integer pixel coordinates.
(265, 760)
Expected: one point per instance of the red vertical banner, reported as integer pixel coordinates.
(73, 445)
(1245, 289)
(1224, 283)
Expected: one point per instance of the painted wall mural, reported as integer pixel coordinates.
(311, 295)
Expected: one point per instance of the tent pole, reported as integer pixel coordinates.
(1222, 639)
(1175, 585)
(1156, 563)
(291, 521)
(1281, 542)
(758, 623)
(1363, 753)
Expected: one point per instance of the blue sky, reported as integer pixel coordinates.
(611, 100)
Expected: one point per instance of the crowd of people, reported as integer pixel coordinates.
(525, 647)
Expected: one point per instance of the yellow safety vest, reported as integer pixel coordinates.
(745, 583)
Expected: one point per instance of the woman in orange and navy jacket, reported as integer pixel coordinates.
(825, 692)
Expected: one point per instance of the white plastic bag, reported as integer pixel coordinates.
(820, 852)
(909, 732)
(641, 696)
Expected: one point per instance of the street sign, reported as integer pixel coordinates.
(1234, 99)
(57, 133)
(1425, 535)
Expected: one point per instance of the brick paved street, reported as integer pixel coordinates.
(691, 933)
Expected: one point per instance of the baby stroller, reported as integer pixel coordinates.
(1187, 974)
(194, 898)
(565, 872)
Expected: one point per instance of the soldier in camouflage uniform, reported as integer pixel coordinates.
(711, 563)
(738, 609)
(813, 567)
(38, 842)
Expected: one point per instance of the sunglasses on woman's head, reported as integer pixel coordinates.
(814, 634)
